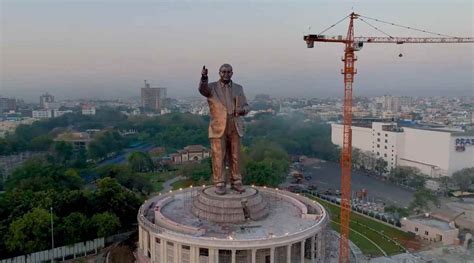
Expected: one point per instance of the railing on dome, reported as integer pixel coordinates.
(156, 229)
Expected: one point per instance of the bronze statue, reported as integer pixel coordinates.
(227, 103)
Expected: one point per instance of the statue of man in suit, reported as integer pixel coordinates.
(227, 103)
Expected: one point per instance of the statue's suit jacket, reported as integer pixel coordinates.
(215, 97)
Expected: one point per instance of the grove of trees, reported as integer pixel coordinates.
(408, 176)
(89, 201)
(368, 161)
(80, 212)
(464, 178)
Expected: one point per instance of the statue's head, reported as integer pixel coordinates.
(225, 72)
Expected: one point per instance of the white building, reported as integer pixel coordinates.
(382, 139)
(435, 152)
(42, 114)
(51, 105)
(431, 228)
(261, 225)
(88, 110)
(46, 98)
(58, 113)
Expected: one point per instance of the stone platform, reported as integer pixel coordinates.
(233, 207)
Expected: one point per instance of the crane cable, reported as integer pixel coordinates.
(376, 28)
(407, 27)
(334, 24)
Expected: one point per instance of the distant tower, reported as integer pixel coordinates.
(153, 99)
(46, 98)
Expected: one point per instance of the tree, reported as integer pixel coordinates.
(265, 163)
(409, 176)
(31, 232)
(417, 181)
(397, 212)
(381, 166)
(38, 175)
(140, 162)
(357, 158)
(105, 224)
(75, 227)
(126, 177)
(445, 182)
(112, 197)
(104, 144)
(41, 143)
(81, 158)
(199, 173)
(63, 152)
(295, 135)
(422, 199)
(261, 173)
(464, 178)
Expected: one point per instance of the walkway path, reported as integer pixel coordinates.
(167, 185)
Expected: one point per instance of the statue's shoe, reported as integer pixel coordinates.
(220, 190)
(238, 187)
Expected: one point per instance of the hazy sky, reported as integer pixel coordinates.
(107, 48)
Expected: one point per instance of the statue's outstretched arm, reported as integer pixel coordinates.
(203, 83)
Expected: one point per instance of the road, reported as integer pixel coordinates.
(122, 158)
(327, 175)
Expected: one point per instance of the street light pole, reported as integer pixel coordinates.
(52, 234)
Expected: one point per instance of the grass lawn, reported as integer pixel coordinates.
(361, 242)
(375, 231)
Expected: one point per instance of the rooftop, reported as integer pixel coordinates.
(432, 222)
(284, 218)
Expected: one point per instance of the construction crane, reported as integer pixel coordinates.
(353, 44)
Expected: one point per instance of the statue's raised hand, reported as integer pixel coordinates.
(204, 72)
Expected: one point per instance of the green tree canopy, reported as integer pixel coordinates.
(41, 142)
(37, 175)
(105, 223)
(31, 232)
(75, 227)
(63, 152)
(464, 178)
(140, 162)
(422, 200)
(126, 177)
(199, 173)
(406, 175)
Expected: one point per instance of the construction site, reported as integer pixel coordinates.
(271, 225)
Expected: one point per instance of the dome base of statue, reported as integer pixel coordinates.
(233, 207)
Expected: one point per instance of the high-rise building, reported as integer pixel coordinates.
(7, 104)
(45, 99)
(153, 99)
(406, 101)
(390, 103)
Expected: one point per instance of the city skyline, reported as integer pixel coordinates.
(96, 49)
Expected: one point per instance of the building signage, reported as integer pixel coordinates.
(461, 143)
